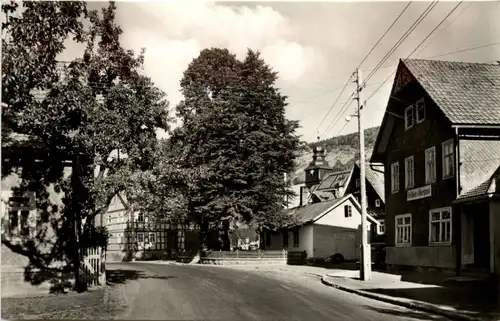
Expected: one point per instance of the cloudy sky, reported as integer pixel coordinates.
(315, 46)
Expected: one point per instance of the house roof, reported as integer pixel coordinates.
(313, 212)
(376, 180)
(467, 93)
(334, 180)
(480, 166)
(375, 212)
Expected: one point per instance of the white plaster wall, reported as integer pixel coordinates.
(337, 218)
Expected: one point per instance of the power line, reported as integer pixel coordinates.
(433, 30)
(415, 24)
(445, 27)
(340, 113)
(385, 33)
(373, 48)
(449, 53)
(331, 108)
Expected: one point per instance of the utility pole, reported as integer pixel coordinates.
(366, 264)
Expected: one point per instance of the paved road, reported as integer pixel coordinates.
(182, 292)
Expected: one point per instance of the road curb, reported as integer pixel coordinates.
(410, 305)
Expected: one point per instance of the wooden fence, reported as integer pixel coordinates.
(93, 269)
(249, 257)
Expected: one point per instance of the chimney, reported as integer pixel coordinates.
(303, 195)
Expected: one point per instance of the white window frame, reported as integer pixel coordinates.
(403, 227)
(142, 237)
(428, 178)
(420, 102)
(381, 227)
(441, 221)
(377, 203)
(444, 156)
(109, 219)
(408, 126)
(153, 237)
(140, 217)
(395, 177)
(409, 175)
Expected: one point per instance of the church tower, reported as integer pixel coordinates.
(317, 168)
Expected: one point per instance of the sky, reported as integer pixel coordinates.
(314, 46)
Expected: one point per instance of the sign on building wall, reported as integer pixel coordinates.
(419, 193)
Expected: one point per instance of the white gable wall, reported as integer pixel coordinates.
(337, 218)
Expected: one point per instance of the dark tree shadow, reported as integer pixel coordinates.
(122, 276)
(478, 301)
(405, 313)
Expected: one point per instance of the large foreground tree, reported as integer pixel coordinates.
(85, 111)
(233, 148)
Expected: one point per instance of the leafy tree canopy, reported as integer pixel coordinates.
(82, 111)
(233, 148)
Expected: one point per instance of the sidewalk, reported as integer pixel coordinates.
(455, 300)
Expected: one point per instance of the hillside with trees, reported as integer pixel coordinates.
(341, 152)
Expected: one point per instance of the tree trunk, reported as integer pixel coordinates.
(80, 284)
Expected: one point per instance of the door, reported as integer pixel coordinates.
(481, 239)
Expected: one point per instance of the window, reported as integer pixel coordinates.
(440, 226)
(448, 159)
(140, 237)
(347, 211)
(420, 106)
(430, 165)
(377, 203)
(285, 239)
(109, 219)
(296, 238)
(268, 239)
(395, 177)
(180, 239)
(358, 183)
(19, 215)
(403, 229)
(409, 172)
(409, 117)
(381, 227)
(152, 238)
(140, 217)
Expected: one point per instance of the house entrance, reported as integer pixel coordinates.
(481, 238)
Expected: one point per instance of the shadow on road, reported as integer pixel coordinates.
(121, 276)
(404, 313)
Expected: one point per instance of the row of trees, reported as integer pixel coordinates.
(226, 160)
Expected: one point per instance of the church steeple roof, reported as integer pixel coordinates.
(318, 160)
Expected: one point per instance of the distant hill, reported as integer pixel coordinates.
(341, 152)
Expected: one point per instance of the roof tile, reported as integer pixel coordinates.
(467, 93)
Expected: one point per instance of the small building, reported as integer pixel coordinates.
(326, 229)
(137, 235)
(334, 185)
(440, 144)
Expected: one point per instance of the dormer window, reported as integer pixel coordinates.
(420, 106)
(409, 117)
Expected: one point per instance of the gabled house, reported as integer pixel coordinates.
(339, 184)
(439, 143)
(134, 234)
(327, 229)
